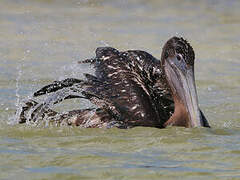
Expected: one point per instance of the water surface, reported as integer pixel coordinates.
(42, 40)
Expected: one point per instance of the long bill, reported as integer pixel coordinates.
(182, 83)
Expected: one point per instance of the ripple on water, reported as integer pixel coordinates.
(41, 41)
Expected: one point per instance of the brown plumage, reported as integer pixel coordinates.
(129, 88)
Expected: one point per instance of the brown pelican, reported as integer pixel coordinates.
(129, 88)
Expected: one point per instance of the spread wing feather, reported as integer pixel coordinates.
(127, 87)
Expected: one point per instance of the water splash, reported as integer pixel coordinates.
(35, 111)
(13, 119)
(19, 75)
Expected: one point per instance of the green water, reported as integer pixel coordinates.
(42, 40)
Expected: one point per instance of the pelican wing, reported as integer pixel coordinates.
(130, 85)
(128, 89)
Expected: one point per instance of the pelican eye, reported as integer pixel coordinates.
(166, 55)
(179, 57)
